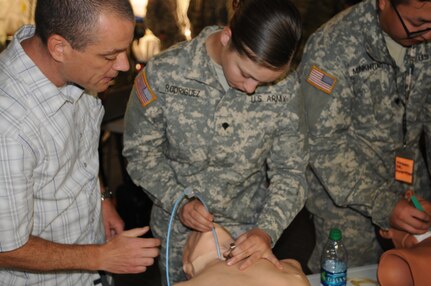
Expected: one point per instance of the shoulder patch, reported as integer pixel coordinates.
(321, 80)
(143, 90)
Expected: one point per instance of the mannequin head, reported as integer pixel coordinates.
(407, 264)
(200, 250)
(203, 267)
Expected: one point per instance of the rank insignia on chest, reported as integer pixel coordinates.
(321, 80)
(143, 90)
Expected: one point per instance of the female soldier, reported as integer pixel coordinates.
(206, 115)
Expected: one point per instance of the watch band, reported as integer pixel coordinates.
(107, 194)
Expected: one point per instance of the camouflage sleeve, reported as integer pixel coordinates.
(144, 145)
(286, 168)
(346, 165)
(427, 130)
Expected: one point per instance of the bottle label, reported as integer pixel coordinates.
(333, 279)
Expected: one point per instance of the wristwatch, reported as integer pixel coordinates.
(107, 194)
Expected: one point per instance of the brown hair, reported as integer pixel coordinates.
(75, 19)
(268, 32)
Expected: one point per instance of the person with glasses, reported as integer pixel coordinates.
(411, 34)
(366, 85)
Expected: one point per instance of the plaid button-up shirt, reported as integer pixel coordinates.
(48, 164)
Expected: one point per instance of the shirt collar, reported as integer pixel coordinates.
(201, 68)
(375, 43)
(48, 96)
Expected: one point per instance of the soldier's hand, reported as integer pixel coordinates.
(195, 216)
(252, 246)
(406, 217)
(127, 253)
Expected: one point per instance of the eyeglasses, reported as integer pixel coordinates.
(410, 35)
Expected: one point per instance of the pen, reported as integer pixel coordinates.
(416, 203)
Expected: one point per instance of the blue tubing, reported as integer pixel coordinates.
(189, 193)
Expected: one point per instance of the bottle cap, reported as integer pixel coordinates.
(335, 234)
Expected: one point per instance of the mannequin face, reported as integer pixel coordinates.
(203, 266)
(415, 15)
(200, 250)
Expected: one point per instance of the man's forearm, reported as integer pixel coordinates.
(42, 255)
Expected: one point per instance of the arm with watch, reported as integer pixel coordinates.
(112, 222)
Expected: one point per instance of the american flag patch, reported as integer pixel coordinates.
(143, 91)
(321, 80)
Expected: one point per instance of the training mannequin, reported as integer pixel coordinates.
(407, 264)
(203, 267)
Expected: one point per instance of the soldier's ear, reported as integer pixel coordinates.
(382, 4)
(226, 34)
(58, 47)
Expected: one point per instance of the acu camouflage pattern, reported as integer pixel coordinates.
(355, 132)
(223, 144)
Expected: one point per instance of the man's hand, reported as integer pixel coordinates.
(127, 253)
(195, 216)
(406, 217)
(252, 246)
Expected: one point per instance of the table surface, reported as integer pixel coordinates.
(356, 276)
